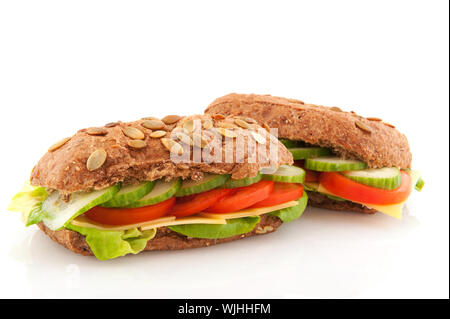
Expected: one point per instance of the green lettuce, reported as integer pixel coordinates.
(420, 184)
(29, 202)
(233, 227)
(292, 213)
(108, 244)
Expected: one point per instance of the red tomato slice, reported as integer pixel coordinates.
(282, 193)
(310, 176)
(351, 190)
(242, 197)
(193, 204)
(124, 216)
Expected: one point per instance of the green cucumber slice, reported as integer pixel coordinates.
(286, 174)
(333, 164)
(291, 143)
(209, 181)
(161, 192)
(129, 194)
(233, 183)
(420, 184)
(308, 152)
(59, 213)
(385, 178)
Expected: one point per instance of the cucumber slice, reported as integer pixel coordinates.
(286, 174)
(291, 143)
(59, 213)
(209, 181)
(129, 194)
(333, 164)
(308, 152)
(161, 192)
(233, 183)
(385, 178)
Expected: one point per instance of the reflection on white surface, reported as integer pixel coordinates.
(322, 254)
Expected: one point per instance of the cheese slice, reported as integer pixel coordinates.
(186, 220)
(250, 211)
(394, 210)
(83, 221)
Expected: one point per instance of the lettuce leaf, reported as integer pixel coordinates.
(292, 213)
(233, 227)
(109, 244)
(59, 212)
(420, 184)
(29, 202)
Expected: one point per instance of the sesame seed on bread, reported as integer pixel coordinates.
(347, 134)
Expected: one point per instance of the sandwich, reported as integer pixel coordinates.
(352, 163)
(151, 184)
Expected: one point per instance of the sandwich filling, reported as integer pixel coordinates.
(122, 219)
(383, 189)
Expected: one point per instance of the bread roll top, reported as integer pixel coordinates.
(349, 135)
(98, 157)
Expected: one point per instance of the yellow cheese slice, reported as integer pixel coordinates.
(250, 211)
(186, 220)
(83, 221)
(394, 210)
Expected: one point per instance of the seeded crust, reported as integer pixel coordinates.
(318, 125)
(319, 200)
(64, 169)
(165, 239)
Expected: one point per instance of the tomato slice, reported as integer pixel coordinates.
(310, 176)
(354, 191)
(189, 205)
(124, 216)
(282, 193)
(242, 197)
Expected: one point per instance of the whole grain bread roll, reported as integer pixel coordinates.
(349, 135)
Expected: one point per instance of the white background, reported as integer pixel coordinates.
(65, 65)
